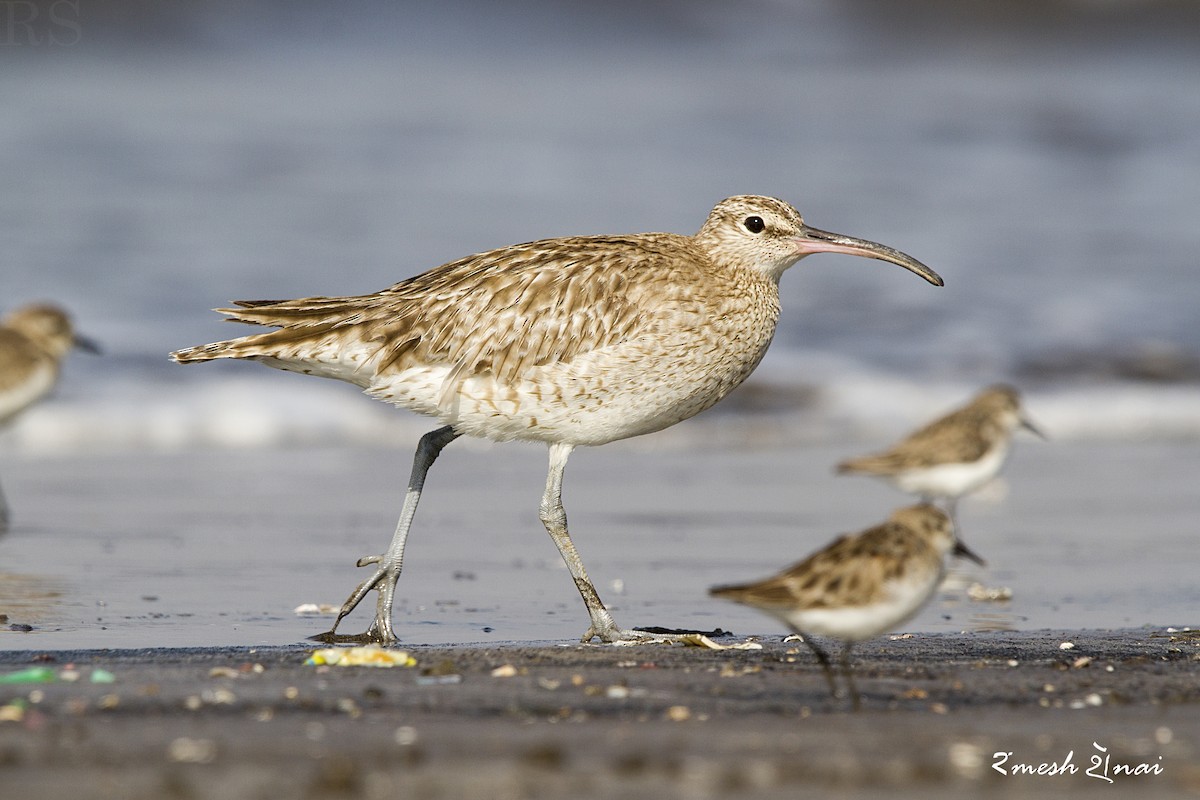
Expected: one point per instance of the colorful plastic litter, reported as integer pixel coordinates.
(31, 675)
(365, 656)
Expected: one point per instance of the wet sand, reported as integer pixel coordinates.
(218, 547)
(551, 720)
(178, 573)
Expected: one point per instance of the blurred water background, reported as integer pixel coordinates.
(160, 159)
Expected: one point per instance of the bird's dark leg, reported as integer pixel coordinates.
(952, 511)
(389, 564)
(855, 699)
(822, 657)
(3, 511)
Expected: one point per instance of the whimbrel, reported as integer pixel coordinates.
(572, 341)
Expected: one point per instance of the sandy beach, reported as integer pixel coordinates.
(218, 547)
(179, 573)
(945, 716)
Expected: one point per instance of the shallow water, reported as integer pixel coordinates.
(178, 156)
(217, 548)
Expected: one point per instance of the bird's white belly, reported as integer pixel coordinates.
(853, 623)
(952, 480)
(597, 398)
(33, 387)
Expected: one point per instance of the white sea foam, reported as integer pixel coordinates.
(831, 402)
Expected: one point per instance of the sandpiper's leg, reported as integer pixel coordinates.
(389, 564)
(3, 511)
(822, 657)
(952, 511)
(855, 700)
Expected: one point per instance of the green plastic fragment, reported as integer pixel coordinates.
(31, 675)
(102, 676)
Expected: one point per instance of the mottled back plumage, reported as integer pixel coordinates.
(575, 341)
(856, 569)
(860, 585)
(577, 322)
(963, 435)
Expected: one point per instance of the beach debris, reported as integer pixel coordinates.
(405, 736)
(102, 676)
(1067, 646)
(370, 655)
(30, 675)
(700, 640)
(186, 750)
(730, 671)
(209, 697)
(1081, 662)
(678, 714)
(896, 637)
(445, 672)
(13, 712)
(967, 759)
(438, 680)
(316, 610)
(989, 594)
(504, 671)
(222, 672)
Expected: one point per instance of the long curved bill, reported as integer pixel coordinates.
(812, 240)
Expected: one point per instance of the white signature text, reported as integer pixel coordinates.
(1100, 766)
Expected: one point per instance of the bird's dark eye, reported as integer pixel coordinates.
(754, 224)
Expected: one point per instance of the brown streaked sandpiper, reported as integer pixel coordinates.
(953, 455)
(860, 585)
(573, 341)
(34, 340)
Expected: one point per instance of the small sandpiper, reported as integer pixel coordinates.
(954, 455)
(575, 341)
(860, 585)
(34, 340)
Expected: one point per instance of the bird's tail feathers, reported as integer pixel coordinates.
(298, 321)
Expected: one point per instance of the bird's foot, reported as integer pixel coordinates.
(383, 580)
